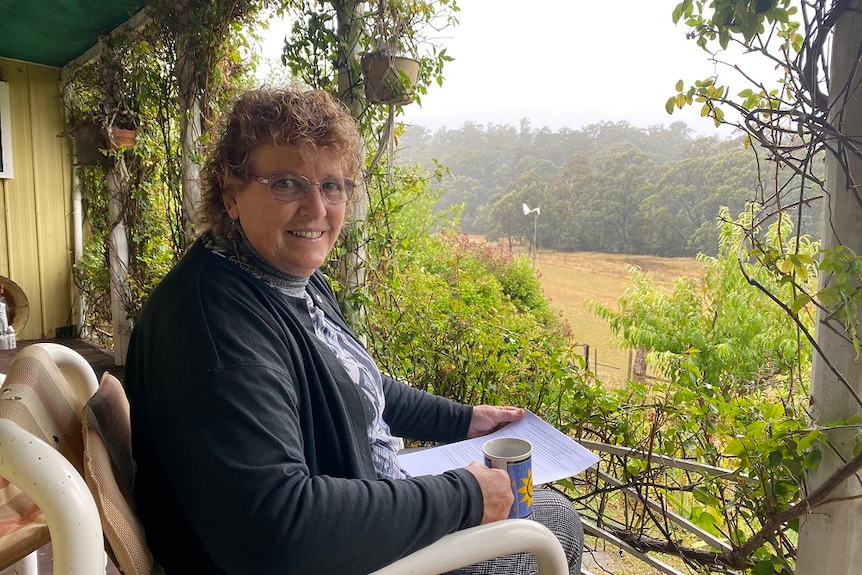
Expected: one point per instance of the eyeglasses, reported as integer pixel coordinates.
(292, 187)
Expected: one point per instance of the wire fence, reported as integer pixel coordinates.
(636, 368)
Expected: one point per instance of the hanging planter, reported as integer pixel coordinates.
(389, 79)
(120, 138)
(88, 141)
(389, 69)
(91, 141)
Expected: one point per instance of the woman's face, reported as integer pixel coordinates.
(294, 237)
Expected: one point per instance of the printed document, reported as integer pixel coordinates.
(555, 454)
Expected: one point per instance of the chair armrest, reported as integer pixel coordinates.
(476, 544)
(53, 484)
(78, 372)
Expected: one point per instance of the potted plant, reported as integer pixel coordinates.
(389, 79)
(119, 127)
(389, 73)
(120, 138)
(98, 131)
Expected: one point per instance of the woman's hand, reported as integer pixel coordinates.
(489, 418)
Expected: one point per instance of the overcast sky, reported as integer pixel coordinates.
(562, 63)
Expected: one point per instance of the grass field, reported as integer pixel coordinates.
(570, 280)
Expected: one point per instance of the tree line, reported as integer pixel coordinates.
(609, 187)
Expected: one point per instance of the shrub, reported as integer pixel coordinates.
(461, 319)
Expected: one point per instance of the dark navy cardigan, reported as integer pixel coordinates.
(250, 438)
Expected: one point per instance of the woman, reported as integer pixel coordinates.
(264, 435)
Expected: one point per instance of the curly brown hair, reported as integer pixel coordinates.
(310, 121)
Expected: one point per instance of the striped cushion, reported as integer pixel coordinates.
(35, 396)
(23, 528)
(109, 472)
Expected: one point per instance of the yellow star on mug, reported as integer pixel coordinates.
(526, 490)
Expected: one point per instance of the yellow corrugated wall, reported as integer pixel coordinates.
(35, 231)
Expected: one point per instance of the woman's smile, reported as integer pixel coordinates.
(310, 235)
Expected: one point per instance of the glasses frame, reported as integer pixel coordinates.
(267, 181)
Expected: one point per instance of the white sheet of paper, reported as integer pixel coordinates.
(555, 455)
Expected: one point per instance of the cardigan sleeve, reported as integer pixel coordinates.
(416, 414)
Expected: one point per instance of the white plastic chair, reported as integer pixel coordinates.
(82, 379)
(78, 372)
(57, 488)
(476, 544)
(60, 492)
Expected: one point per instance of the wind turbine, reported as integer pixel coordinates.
(527, 212)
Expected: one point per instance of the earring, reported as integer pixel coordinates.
(234, 236)
(233, 233)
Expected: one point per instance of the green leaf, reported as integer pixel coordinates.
(635, 466)
(765, 568)
(829, 296)
(736, 447)
(703, 519)
(800, 302)
(808, 441)
(812, 459)
(761, 6)
(723, 38)
(703, 495)
(774, 458)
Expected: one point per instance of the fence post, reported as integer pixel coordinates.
(639, 367)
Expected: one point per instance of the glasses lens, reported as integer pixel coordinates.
(287, 187)
(337, 190)
(292, 187)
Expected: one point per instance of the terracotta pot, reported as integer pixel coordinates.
(118, 138)
(389, 79)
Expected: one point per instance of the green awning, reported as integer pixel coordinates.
(54, 32)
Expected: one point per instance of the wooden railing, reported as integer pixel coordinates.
(592, 528)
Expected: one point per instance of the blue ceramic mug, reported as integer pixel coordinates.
(515, 457)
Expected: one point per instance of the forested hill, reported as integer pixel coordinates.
(609, 187)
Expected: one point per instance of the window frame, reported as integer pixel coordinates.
(6, 163)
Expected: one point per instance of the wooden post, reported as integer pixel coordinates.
(830, 535)
(639, 365)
